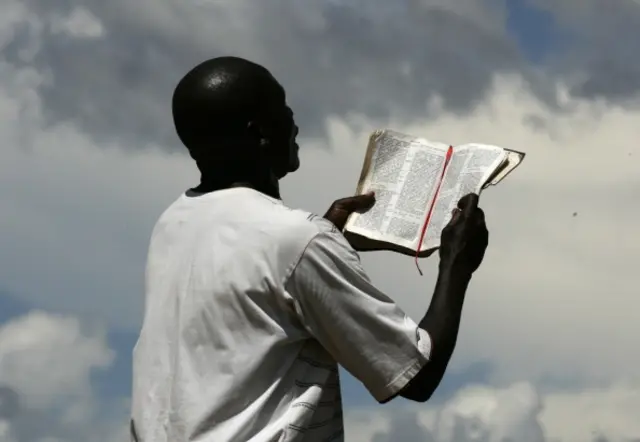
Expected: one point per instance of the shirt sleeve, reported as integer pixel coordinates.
(362, 328)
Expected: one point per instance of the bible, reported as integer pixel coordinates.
(417, 184)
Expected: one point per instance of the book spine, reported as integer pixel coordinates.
(423, 232)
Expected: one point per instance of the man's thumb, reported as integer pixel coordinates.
(358, 203)
(340, 210)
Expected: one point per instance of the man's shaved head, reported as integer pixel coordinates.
(220, 97)
(232, 115)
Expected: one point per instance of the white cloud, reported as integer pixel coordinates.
(515, 413)
(6, 434)
(46, 362)
(80, 23)
(555, 290)
(44, 358)
(555, 299)
(485, 414)
(57, 355)
(611, 412)
(112, 64)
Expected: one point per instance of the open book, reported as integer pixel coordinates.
(417, 184)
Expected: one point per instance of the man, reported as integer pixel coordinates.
(251, 305)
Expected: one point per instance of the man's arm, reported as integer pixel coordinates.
(441, 322)
(359, 326)
(464, 241)
(364, 330)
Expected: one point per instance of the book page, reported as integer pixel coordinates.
(403, 173)
(469, 169)
(514, 159)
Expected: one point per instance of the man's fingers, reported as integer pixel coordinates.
(358, 203)
(340, 210)
(455, 216)
(481, 232)
(468, 204)
(479, 215)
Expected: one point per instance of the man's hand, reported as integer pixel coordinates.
(465, 238)
(462, 247)
(342, 208)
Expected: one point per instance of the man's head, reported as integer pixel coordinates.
(233, 117)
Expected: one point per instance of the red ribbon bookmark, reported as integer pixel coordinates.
(433, 203)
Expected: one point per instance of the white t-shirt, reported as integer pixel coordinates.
(249, 308)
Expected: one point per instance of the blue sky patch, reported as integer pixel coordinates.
(535, 30)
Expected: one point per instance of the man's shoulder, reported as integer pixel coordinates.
(311, 222)
(252, 215)
(303, 225)
(301, 233)
(324, 242)
(289, 235)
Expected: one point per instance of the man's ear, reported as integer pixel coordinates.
(256, 132)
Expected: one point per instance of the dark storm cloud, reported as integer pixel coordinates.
(610, 80)
(9, 402)
(334, 59)
(601, 54)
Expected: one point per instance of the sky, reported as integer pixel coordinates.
(90, 159)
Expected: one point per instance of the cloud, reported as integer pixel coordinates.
(485, 414)
(111, 67)
(554, 289)
(599, 56)
(46, 364)
(518, 412)
(79, 23)
(89, 164)
(26, 349)
(46, 394)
